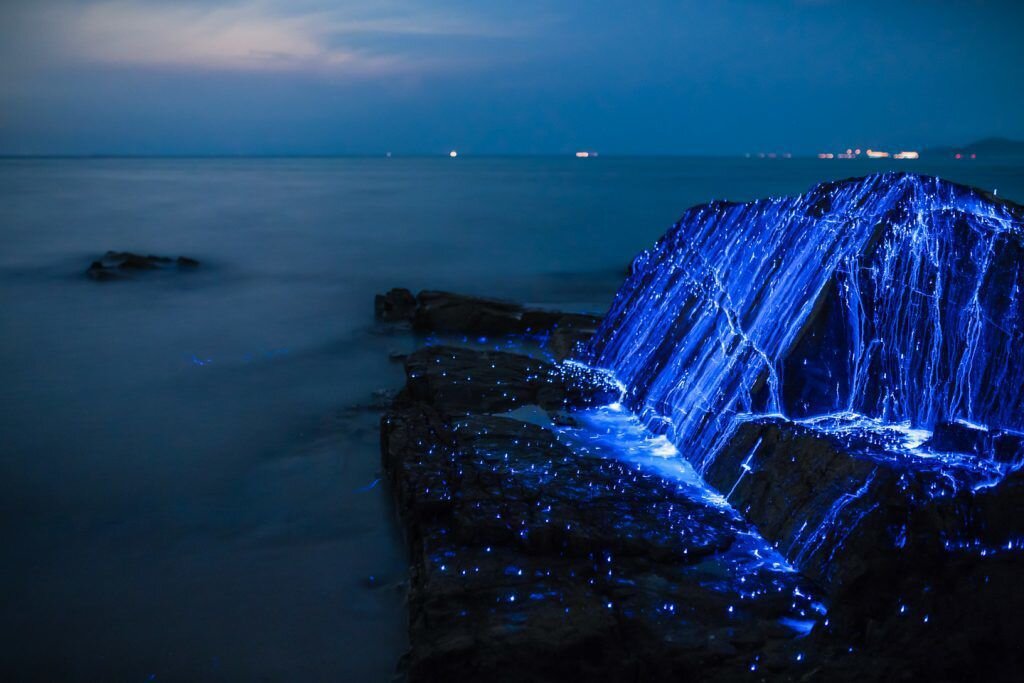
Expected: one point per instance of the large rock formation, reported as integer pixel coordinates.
(895, 296)
(537, 558)
(844, 369)
(884, 317)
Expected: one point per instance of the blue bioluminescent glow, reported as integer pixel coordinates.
(872, 310)
(749, 568)
(894, 296)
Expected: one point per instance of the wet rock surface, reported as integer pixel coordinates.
(884, 316)
(119, 265)
(533, 560)
(535, 557)
(912, 548)
(468, 380)
(1001, 445)
(881, 315)
(448, 313)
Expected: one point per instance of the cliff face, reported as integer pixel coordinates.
(894, 296)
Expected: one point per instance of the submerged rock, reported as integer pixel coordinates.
(117, 265)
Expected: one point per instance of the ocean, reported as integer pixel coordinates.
(190, 485)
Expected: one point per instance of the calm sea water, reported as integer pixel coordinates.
(189, 460)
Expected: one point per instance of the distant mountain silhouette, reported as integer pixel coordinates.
(987, 148)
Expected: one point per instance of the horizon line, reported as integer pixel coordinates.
(758, 156)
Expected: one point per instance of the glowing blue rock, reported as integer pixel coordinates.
(895, 296)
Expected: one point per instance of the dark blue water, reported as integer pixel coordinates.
(188, 459)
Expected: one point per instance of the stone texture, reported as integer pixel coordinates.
(909, 548)
(468, 380)
(457, 314)
(534, 562)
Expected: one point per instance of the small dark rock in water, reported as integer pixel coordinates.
(116, 265)
(395, 306)
(97, 271)
(448, 313)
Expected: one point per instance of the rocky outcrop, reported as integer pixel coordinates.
(458, 314)
(897, 296)
(907, 546)
(471, 381)
(882, 315)
(118, 265)
(534, 561)
(1001, 445)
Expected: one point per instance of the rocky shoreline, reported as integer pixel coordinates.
(540, 552)
(448, 313)
(532, 561)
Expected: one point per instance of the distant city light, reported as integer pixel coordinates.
(851, 153)
(453, 154)
(585, 155)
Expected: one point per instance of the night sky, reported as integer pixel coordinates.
(523, 77)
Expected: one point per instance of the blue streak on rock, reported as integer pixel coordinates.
(895, 297)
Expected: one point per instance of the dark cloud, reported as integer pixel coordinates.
(280, 76)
